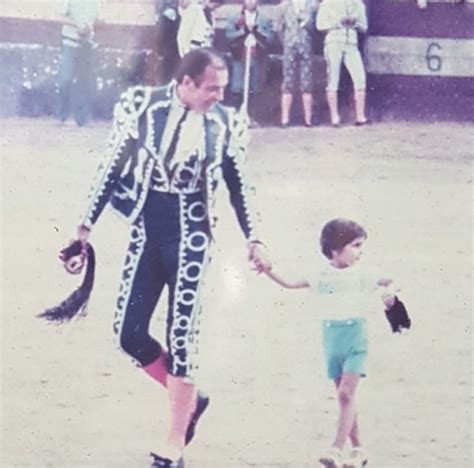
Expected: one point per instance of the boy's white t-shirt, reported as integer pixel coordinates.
(343, 293)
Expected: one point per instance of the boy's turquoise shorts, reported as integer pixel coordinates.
(345, 346)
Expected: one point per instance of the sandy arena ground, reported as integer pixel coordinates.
(70, 399)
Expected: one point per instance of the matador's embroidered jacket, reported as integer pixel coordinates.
(133, 153)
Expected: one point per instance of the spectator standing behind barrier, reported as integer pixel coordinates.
(251, 28)
(342, 20)
(296, 23)
(75, 79)
(197, 25)
(167, 21)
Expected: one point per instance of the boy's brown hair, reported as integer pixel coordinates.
(337, 233)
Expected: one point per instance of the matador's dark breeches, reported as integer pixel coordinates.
(169, 246)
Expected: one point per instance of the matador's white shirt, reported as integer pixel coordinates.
(192, 135)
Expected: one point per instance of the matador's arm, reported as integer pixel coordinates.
(122, 144)
(234, 177)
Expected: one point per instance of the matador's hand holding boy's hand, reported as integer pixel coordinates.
(259, 257)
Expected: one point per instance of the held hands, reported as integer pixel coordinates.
(259, 257)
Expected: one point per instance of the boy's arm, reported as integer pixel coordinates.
(287, 284)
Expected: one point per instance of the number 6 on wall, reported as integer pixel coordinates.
(433, 59)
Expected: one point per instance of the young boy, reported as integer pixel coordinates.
(344, 289)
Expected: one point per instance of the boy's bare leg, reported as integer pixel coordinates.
(354, 434)
(347, 418)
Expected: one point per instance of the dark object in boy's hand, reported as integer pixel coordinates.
(398, 317)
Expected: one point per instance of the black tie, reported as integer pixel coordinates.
(174, 140)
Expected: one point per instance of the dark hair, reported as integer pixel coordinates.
(194, 63)
(337, 233)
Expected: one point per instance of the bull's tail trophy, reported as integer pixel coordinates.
(74, 257)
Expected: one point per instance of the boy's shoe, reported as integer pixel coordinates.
(202, 403)
(161, 462)
(332, 458)
(357, 459)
